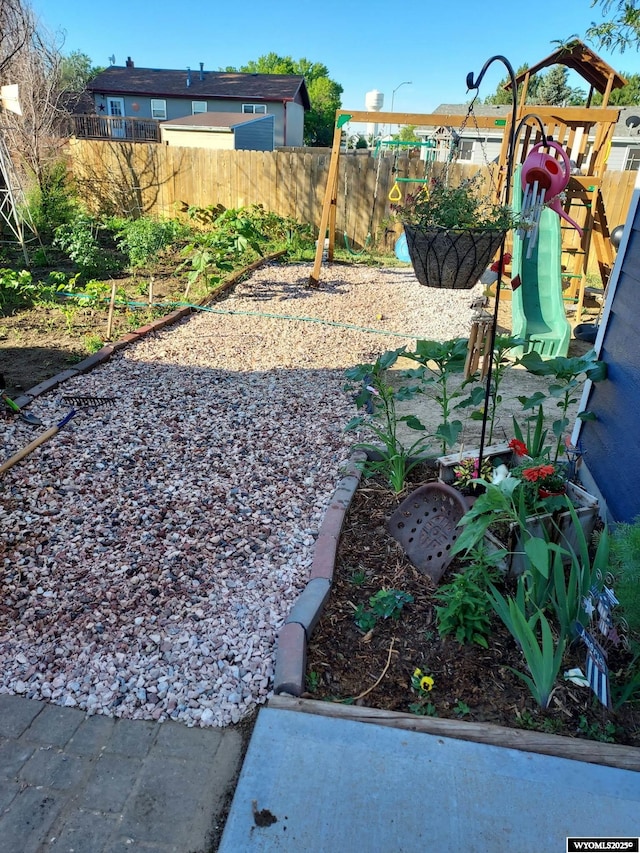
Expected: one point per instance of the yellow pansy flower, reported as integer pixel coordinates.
(426, 683)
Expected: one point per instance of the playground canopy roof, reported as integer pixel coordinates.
(584, 61)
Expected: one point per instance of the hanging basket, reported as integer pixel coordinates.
(451, 259)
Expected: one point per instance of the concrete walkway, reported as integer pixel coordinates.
(80, 784)
(322, 785)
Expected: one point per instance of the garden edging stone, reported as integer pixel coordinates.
(291, 651)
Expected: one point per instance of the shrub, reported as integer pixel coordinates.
(82, 240)
(51, 202)
(464, 609)
(142, 239)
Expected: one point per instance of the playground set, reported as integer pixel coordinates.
(557, 158)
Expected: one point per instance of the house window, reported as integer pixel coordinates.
(465, 149)
(254, 108)
(632, 162)
(198, 107)
(158, 109)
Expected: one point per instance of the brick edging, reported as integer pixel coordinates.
(291, 649)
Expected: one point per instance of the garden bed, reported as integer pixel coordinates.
(374, 669)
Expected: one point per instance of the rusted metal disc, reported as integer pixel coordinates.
(425, 525)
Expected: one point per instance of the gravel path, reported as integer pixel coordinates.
(152, 549)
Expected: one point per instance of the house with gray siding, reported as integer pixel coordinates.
(479, 146)
(163, 95)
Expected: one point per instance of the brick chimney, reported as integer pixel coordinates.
(129, 62)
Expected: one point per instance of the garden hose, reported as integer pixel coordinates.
(227, 311)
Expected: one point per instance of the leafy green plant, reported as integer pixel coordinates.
(365, 619)
(496, 505)
(313, 681)
(594, 731)
(441, 205)
(461, 709)
(51, 200)
(17, 290)
(69, 311)
(535, 440)
(39, 257)
(80, 240)
(625, 684)
(377, 396)
(526, 720)
(142, 239)
(465, 610)
(384, 604)
(358, 577)
(93, 343)
(569, 373)
(440, 362)
(625, 565)
(502, 360)
(466, 471)
(94, 292)
(542, 653)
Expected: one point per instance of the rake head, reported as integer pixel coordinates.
(82, 402)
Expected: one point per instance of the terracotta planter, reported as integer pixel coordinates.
(545, 493)
(451, 259)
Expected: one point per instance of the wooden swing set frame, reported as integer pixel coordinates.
(584, 132)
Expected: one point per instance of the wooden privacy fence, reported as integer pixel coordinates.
(134, 179)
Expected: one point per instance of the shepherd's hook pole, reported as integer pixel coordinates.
(475, 84)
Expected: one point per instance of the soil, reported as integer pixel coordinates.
(38, 343)
(472, 683)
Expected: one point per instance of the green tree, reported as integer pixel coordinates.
(623, 28)
(324, 93)
(324, 96)
(627, 96)
(503, 96)
(407, 133)
(75, 71)
(554, 89)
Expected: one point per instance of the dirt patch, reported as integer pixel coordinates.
(40, 342)
(472, 683)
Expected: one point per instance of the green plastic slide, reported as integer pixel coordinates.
(537, 308)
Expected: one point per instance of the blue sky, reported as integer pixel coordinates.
(365, 46)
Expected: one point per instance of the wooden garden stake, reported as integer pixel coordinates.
(150, 291)
(479, 343)
(112, 303)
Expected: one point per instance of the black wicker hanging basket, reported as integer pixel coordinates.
(451, 259)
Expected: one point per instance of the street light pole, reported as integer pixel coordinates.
(393, 94)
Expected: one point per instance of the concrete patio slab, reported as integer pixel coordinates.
(319, 784)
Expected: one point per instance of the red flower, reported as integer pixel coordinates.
(518, 447)
(538, 473)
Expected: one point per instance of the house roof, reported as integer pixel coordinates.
(129, 80)
(214, 121)
(584, 61)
